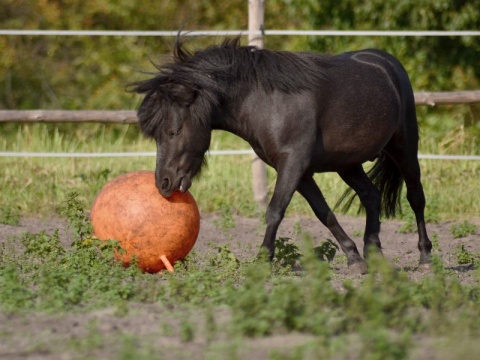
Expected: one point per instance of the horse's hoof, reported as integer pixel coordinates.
(372, 251)
(264, 255)
(424, 267)
(359, 267)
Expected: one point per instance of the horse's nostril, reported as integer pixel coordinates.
(165, 183)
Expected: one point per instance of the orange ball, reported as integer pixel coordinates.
(156, 230)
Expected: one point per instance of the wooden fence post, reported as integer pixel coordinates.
(256, 15)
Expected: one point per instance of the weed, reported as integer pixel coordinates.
(228, 350)
(187, 329)
(10, 216)
(384, 344)
(326, 251)
(15, 295)
(93, 340)
(463, 229)
(211, 328)
(224, 258)
(201, 281)
(435, 243)
(262, 226)
(286, 252)
(409, 226)
(383, 298)
(464, 256)
(166, 329)
(340, 259)
(130, 350)
(226, 221)
(103, 174)
(42, 245)
(78, 220)
(297, 228)
(357, 233)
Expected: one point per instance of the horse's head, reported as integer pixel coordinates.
(166, 115)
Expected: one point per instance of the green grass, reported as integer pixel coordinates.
(387, 317)
(38, 186)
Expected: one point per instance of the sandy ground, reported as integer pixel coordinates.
(52, 336)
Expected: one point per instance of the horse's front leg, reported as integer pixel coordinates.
(289, 176)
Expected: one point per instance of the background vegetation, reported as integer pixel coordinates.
(89, 72)
(213, 302)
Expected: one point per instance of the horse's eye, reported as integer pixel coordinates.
(173, 133)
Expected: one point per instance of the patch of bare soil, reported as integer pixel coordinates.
(54, 336)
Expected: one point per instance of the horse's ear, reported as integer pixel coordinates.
(182, 95)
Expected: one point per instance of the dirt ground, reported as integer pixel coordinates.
(43, 336)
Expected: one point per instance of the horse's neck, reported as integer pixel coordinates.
(227, 124)
(226, 118)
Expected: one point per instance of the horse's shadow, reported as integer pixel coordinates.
(457, 268)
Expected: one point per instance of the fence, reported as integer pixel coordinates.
(256, 32)
(128, 117)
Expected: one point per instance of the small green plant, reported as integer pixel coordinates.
(357, 233)
(435, 243)
(77, 218)
(297, 228)
(92, 340)
(187, 329)
(14, 295)
(408, 226)
(226, 221)
(286, 253)
(42, 245)
(465, 257)
(463, 229)
(251, 313)
(10, 216)
(384, 344)
(104, 173)
(224, 258)
(211, 328)
(326, 251)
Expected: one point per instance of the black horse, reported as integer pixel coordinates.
(302, 113)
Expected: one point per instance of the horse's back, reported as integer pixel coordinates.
(362, 105)
(400, 81)
(393, 68)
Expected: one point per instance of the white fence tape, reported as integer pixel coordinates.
(240, 32)
(212, 152)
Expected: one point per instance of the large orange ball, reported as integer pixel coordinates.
(156, 230)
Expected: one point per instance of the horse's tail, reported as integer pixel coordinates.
(386, 176)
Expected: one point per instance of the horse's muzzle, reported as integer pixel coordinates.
(166, 186)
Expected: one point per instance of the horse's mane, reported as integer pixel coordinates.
(234, 69)
(229, 61)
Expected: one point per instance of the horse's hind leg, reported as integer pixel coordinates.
(407, 161)
(310, 191)
(369, 195)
